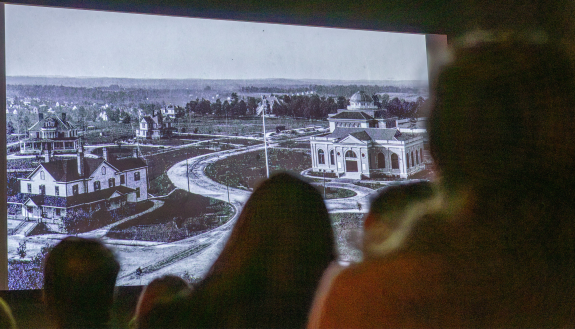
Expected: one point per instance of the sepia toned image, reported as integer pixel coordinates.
(151, 132)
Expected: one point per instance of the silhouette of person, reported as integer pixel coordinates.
(501, 251)
(158, 291)
(271, 265)
(79, 279)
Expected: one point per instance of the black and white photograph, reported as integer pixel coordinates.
(151, 132)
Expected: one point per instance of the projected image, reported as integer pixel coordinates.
(150, 132)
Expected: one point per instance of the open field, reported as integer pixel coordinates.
(335, 193)
(182, 215)
(243, 126)
(158, 164)
(246, 170)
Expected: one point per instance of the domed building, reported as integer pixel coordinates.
(365, 140)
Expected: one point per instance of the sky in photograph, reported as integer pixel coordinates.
(44, 41)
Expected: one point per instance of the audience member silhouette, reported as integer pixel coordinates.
(160, 291)
(6, 319)
(79, 279)
(501, 252)
(392, 214)
(271, 265)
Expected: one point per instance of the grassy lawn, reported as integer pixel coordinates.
(295, 144)
(371, 185)
(158, 164)
(182, 215)
(239, 141)
(81, 222)
(248, 169)
(109, 132)
(26, 163)
(336, 193)
(244, 126)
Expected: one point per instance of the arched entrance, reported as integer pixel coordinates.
(351, 162)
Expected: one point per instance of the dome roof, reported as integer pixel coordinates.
(360, 96)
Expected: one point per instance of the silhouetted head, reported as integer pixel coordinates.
(502, 116)
(502, 131)
(160, 290)
(275, 256)
(393, 213)
(79, 279)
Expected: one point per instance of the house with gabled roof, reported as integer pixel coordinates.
(155, 126)
(51, 133)
(363, 141)
(56, 187)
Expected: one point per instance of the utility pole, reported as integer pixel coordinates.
(188, 174)
(265, 141)
(324, 184)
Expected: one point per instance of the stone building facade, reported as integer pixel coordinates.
(364, 141)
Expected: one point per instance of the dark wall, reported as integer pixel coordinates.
(451, 17)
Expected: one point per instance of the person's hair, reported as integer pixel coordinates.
(160, 290)
(79, 280)
(6, 319)
(269, 269)
(502, 116)
(392, 215)
(502, 132)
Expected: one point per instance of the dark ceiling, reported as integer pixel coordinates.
(451, 17)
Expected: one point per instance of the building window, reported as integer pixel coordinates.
(111, 182)
(137, 175)
(97, 185)
(75, 189)
(103, 170)
(122, 179)
(320, 157)
(58, 211)
(42, 176)
(380, 160)
(42, 189)
(57, 190)
(29, 188)
(332, 157)
(412, 163)
(350, 154)
(407, 160)
(30, 210)
(421, 154)
(416, 157)
(137, 192)
(394, 161)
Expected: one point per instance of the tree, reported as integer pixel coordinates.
(9, 127)
(204, 107)
(180, 112)
(252, 105)
(21, 249)
(216, 108)
(384, 100)
(341, 102)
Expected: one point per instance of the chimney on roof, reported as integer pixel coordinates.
(105, 154)
(80, 159)
(135, 152)
(63, 117)
(40, 116)
(47, 155)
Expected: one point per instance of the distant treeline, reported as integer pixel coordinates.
(110, 95)
(345, 90)
(302, 106)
